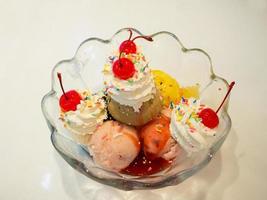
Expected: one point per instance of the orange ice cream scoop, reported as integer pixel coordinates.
(157, 140)
(155, 135)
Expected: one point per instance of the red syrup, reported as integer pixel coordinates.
(143, 166)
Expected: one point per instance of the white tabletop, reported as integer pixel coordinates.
(36, 34)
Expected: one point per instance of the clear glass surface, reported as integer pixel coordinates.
(84, 71)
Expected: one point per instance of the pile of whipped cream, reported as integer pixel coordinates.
(135, 90)
(186, 126)
(90, 113)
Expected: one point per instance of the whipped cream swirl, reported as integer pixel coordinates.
(186, 127)
(90, 113)
(135, 90)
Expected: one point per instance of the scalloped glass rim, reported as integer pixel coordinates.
(78, 156)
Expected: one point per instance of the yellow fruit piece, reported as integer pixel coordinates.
(168, 87)
(190, 92)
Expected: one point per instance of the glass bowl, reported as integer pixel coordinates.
(188, 65)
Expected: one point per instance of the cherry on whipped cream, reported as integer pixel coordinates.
(69, 100)
(128, 46)
(123, 68)
(209, 117)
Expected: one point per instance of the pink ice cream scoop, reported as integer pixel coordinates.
(171, 150)
(114, 145)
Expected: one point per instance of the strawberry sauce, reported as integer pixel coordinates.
(142, 165)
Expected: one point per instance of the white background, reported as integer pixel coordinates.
(35, 35)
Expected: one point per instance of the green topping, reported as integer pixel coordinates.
(143, 68)
(117, 89)
(130, 81)
(87, 98)
(171, 105)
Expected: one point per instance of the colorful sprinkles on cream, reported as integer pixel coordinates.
(135, 90)
(186, 126)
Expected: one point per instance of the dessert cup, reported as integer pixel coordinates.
(130, 86)
(89, 114)
(187, 65)
(127, 115)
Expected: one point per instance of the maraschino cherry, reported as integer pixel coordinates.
(69, 100)
(128, 46)
(123, 68)
(210, 118)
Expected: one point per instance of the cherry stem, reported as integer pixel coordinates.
(131, 33)
(61, 85)
(144, 37)
(120, 59)
(229, 90)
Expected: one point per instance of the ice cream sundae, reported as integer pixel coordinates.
(143, 121)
